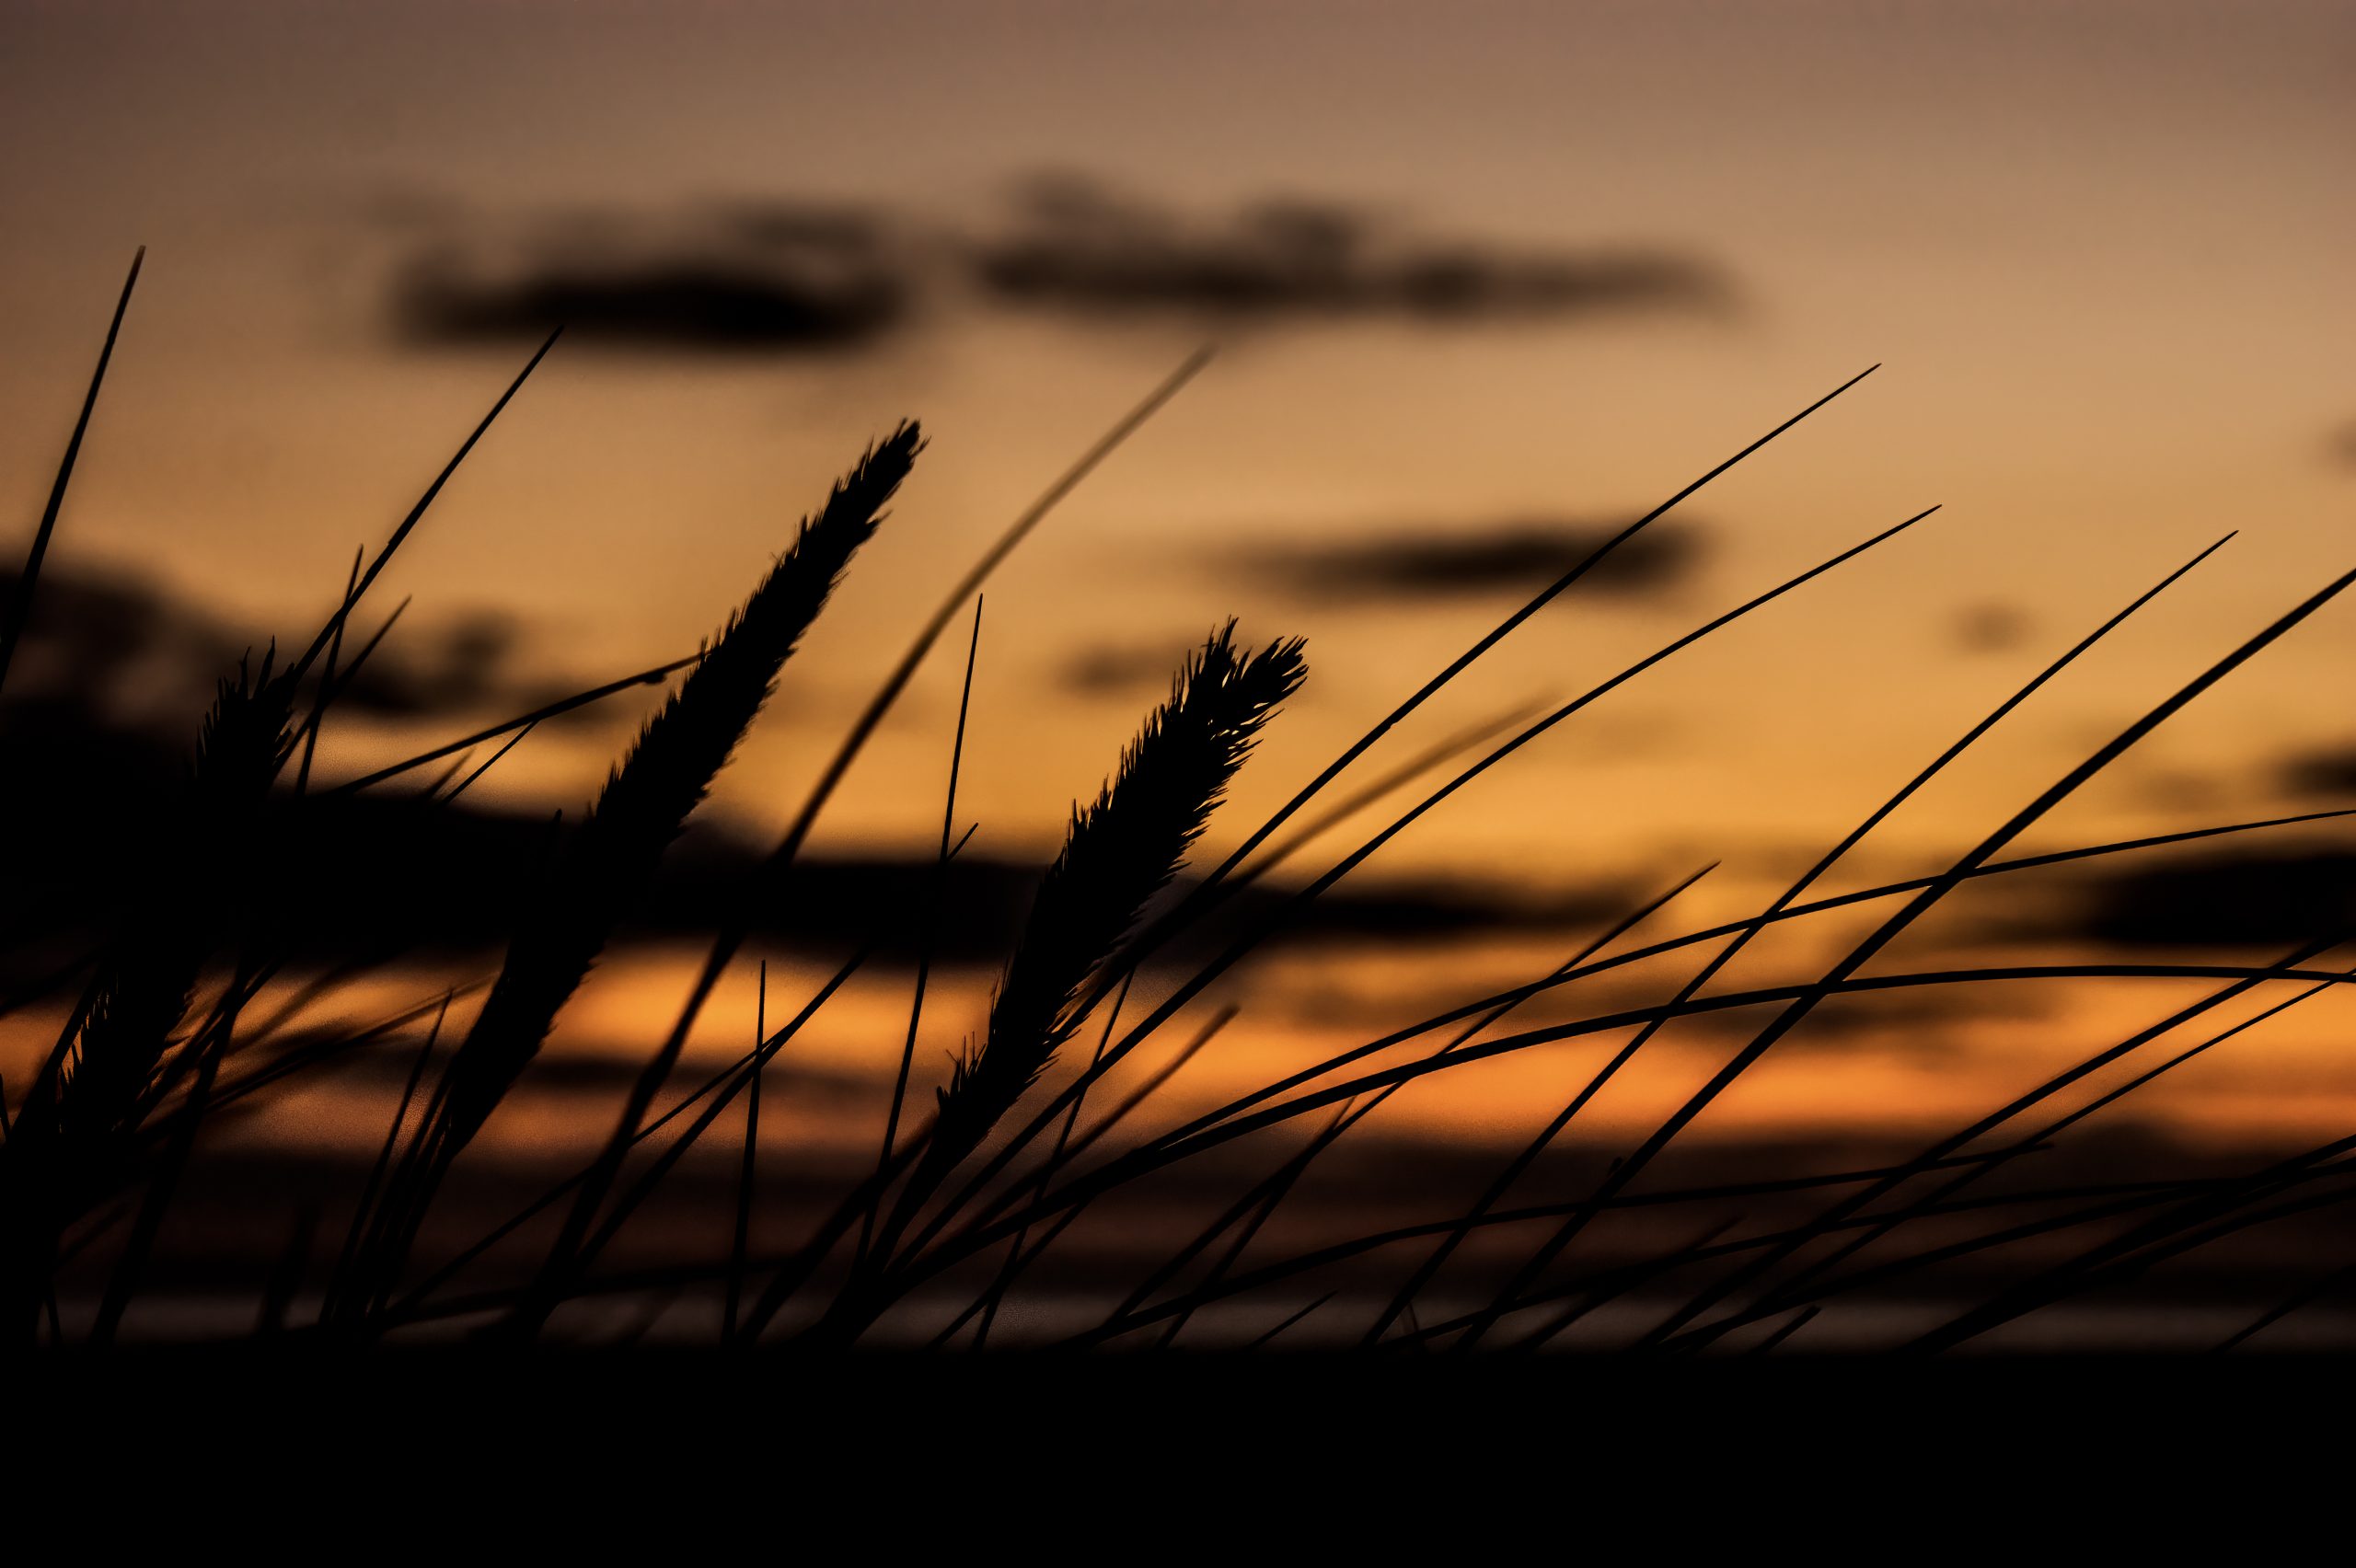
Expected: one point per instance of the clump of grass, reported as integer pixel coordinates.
(645, 803)
(134, 1070)
(152, 976)
(73, 1140)
(85, 1114)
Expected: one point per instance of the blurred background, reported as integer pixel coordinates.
(1487, 281)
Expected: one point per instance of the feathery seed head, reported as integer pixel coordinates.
(1120, 851)
(650, 794)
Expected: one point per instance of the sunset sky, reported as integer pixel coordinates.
(1538, 266)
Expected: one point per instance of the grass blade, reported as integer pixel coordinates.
(20, 603)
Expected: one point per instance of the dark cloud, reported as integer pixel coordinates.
(383, 871)
(2267, 900)
(138, 657)
(2343, 445)
(1080, 247)
(679, 304)
(698, 306)
(1442, 562)
(457, 667)
(747, 277)
(2181, 790)
(120, 646)
(1412, 912)
(1109, 669)
(788, 277)
(593, 1071)
(1992, 627)
(2321, 773)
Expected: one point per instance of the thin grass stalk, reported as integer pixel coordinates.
(740, 1243)
(1429, 760)
(469, 782)
(285, 1280)
(1160, 1076)
(1016, 1260)
(654, 677)
(20, 603)
(643, 1187)
(407, 524)
(1784, 1331)
(327, 679)
(2313, 1290)
(339, 677)
(364, 1208)
(925, 930)
(1269, 1338)
(301, 1057)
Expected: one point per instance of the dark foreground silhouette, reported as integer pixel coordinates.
(194, 932)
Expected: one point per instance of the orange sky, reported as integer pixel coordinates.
(2101, 250)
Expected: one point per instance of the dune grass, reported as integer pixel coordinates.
(976, 1204)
